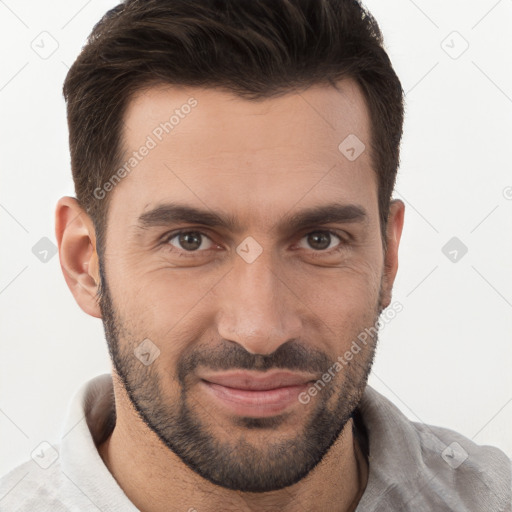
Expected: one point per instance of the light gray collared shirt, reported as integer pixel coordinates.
(412, 466)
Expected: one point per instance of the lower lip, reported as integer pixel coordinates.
(255, 404)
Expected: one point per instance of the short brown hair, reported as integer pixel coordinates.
(255, 49)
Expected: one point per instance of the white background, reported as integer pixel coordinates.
(444, 360)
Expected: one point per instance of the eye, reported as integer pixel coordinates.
(188, 241)
(321, 241)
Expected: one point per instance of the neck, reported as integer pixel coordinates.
(156, 480)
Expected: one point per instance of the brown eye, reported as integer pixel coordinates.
(190, 241)
(320, 240)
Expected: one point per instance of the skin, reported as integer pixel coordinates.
(297, 306)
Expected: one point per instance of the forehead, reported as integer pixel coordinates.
(208, 147)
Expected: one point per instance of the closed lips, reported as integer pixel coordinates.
(254, 382)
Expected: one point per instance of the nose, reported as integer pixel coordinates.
(257, 307)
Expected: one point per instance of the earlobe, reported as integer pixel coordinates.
(393, 234)
(76, 239)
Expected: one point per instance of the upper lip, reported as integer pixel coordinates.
(258, 381)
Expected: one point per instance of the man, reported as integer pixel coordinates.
(234, 230)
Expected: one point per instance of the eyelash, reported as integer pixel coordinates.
(169, 236)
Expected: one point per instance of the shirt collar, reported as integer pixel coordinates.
(88, 418)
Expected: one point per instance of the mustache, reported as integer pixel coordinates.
(231, 356)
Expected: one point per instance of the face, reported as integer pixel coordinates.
(221, 320)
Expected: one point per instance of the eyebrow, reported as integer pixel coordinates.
(167, 214)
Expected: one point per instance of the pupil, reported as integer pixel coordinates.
(187, 238)
(318, 236)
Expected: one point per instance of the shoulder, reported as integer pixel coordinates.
(32, 488)
(462, 463)
(426, 467)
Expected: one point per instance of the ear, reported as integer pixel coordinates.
(393, 235)
(76, 238)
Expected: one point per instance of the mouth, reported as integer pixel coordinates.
(256, 394)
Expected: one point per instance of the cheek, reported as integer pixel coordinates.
(350, 290)
(346, 302)
(171, 306)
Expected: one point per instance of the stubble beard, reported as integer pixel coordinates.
(231, 460)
